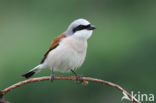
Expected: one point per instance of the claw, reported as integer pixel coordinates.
(79, 79)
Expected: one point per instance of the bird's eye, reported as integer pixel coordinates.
(81, 27)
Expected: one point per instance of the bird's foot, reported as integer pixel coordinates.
(52, 78)
(79, 79)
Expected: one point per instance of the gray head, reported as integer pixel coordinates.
(79, 27)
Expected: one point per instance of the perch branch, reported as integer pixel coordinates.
(3, 100)
(85, 81)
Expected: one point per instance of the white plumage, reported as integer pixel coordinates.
(71, 50)
(70, 54)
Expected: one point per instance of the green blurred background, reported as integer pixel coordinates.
(122, 49)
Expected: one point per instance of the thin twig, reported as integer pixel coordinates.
(85, 81)
(3, 100)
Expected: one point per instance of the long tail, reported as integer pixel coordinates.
(32, 72)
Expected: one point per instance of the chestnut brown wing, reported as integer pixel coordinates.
(54, 44)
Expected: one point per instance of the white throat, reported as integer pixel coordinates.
(83, 34)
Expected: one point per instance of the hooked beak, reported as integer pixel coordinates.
(91, 27)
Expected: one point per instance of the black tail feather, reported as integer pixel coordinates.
(29, 74)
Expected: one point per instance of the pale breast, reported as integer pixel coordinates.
(70, 54)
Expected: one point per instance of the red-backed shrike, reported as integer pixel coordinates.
(68, 50)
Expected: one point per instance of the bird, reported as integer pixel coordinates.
(67, 51)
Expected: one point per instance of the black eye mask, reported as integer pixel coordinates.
(81, 27)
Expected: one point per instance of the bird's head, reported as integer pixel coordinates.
(80, 28)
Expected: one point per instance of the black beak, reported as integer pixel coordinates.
(91, 27)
